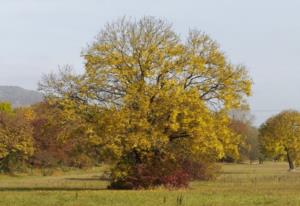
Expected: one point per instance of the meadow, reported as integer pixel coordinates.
(238, 184)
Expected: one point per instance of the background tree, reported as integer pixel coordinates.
(159, 102)
(16, 143)
(280, 135)
(6, 107)
(61, 138)
(241, 124)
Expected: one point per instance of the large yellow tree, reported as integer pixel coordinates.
(153, 94)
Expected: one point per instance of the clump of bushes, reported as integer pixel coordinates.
(82, 161)
(160, 171)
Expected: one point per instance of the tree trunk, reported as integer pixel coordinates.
(290, 160)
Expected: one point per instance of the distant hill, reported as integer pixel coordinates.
(19, 96)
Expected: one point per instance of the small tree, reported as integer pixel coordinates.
(280, 135)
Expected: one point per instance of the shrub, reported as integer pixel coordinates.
(82, 161)
(12, 163)
(160, 171)
(47, 171)
(44, 159)
(201, 170)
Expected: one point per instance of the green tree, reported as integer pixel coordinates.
(280, 135)
(6, 107)
(154, 97)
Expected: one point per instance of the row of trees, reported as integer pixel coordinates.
(40, 136)
(51, 139)
(159, 109)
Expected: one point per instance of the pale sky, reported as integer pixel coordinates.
(36, 36)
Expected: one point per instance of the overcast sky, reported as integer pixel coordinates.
(36, 36)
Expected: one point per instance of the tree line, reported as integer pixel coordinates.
(159, 109)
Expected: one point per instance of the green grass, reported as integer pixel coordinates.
(239, 184)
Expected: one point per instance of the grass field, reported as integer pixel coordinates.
(239, 184)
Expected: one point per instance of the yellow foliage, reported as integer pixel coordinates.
(15, 136)
(280, 134)
(154, 91)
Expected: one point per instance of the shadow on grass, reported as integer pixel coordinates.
(95, 178)
(49, 189)
(237, 173)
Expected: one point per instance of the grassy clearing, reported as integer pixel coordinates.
(268, 184)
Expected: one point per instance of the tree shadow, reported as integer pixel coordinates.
(93, 178)
(48, 189)
(236, 173)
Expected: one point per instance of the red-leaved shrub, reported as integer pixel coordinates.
(160, 171)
